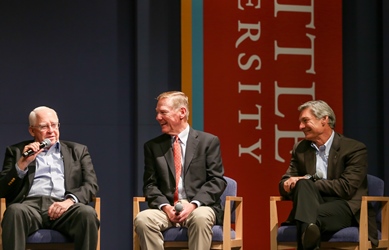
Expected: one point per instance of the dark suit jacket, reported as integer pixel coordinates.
(346, 174)
(80, 177)
(202, 176)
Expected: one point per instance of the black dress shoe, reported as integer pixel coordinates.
(311, 237)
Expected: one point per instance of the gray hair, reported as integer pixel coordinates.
(33, 114)
(178, 99)
(320, 109)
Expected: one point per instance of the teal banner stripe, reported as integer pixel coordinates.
(197, 65)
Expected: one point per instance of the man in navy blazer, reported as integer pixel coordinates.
(326, 178)
(48, 186)
(201, 182)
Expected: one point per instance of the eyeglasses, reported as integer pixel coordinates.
(44, 128)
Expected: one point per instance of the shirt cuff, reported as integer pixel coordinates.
(162, 205)
(73, 197)
(21, 173)
(196, 202)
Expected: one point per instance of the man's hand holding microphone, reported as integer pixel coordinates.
(32, 149)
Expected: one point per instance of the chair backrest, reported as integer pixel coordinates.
(231, 190)
(375, 185)
(376, 188)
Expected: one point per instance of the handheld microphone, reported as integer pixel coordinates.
(317, 176)
(178, 207)
(44, 144)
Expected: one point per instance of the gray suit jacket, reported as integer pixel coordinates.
(346, 174)
(202, 176)
(80, 177)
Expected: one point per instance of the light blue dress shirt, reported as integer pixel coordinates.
(49, 179)
(322, 153)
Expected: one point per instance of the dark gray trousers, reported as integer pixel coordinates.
(329, 213)
(79, 223)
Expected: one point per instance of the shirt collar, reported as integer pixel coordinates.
(183, 136)
(326, 145)
(55, 148)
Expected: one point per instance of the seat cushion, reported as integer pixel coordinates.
(349, 234)
(47, 236)
(287, 234)
(180, 234)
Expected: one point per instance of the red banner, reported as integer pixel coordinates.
(262, 59)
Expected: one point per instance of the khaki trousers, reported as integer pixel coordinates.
(150, 223)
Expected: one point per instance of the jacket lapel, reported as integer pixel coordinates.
(66, 157)
(31, 173)
(167, 147)
(190, 148)
(333, 158)
(310, 159)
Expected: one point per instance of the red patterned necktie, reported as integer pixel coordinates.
(177, 165)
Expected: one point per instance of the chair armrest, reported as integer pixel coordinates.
(136, 209)
(2, 207)
(274, 212)
(2, 210)
(274, 219)
(363, 226)
(276, 198)
(136, 205)
(97, 202)
(376, 198)
(238, 207)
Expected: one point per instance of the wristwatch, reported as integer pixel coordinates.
(72, 199)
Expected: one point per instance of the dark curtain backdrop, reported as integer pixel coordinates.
(158, 66)
(101, 64)
(385, 112)
(77, 57)
(365, 24)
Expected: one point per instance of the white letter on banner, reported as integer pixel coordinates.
(249, 27)
(296, 8)
(250, 150)
(291, 91)
(250, 4)
(252, 117)
(285, 134)
(249, 87)
(250, 62)
(298, 51)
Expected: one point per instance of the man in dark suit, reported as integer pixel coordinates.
(199, 185)
(326, 178)
(48, 187)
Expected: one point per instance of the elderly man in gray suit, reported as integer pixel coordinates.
(197, 185)
(326, 178)
(47, 184)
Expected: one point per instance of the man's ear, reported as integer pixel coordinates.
(324, 120)
(182, 113)
(31, 131)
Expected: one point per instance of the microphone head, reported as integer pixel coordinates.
(178, 207)
(46, 142)
(319, 175)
